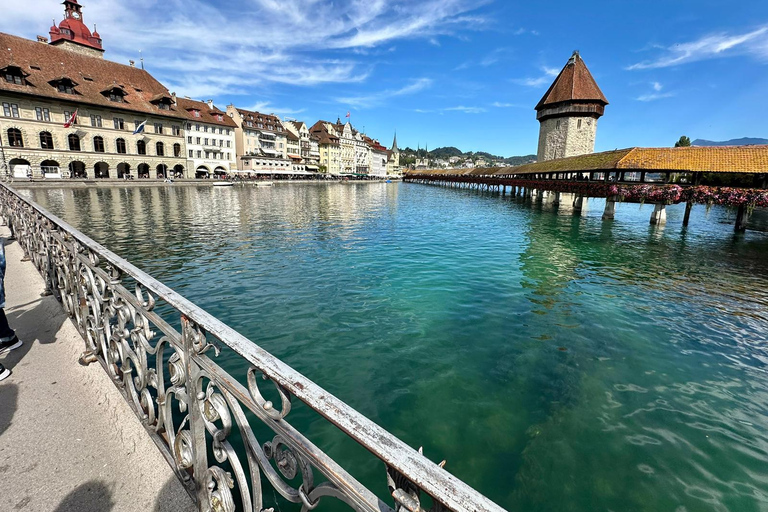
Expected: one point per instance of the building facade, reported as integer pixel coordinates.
(329, 147)
(260, 142)
(569, 111)
(393, 159)
(210, 139)
(67, 112)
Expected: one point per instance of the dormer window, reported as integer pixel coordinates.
(116, 94)
(14, 75)
(64, 85)
(162, 101)
(196, 113)
(219, 117)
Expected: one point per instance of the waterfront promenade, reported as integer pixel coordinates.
(69, 442)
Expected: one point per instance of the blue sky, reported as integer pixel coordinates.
(450, 72)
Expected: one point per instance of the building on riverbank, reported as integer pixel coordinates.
(210, 139)
(68, 112)
(329, 147)
(260, 141)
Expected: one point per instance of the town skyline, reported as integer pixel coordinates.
(388, 64)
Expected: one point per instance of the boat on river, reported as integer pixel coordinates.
(222, 183)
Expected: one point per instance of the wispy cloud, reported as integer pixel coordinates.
(498, 104)
(545, 79)
(466, 110)
(657, 93)
(376, 98)
(710, 47)
(256, 42)
(491, 58)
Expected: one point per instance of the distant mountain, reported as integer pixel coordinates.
(446, 153)
(746, 141)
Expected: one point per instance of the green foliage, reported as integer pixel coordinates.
(683, 142)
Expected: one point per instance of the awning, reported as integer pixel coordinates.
(297, 157)
(312, 167)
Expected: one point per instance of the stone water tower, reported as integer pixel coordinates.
(569, 111)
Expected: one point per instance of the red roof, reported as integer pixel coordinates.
(207, 114)
(574, 83)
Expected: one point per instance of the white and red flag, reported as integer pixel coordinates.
(72, 119)
(348, 114)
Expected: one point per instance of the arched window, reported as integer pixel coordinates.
(74, 142)
(177, 150)
(98, 144)
(14, 138)
(46, 140)
(141, 147)
(160, 149)
(120, 144)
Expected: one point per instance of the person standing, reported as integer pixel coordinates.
(8, 338)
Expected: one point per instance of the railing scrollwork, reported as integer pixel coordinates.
(166, 368)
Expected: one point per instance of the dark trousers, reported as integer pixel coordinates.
(6, 333)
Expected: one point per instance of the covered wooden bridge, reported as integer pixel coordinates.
(661, 176)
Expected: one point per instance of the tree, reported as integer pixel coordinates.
(684, 142)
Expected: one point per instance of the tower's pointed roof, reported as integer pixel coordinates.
(574, 83)
(394, 143)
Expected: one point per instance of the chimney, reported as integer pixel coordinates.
(41, 39)
(173, 95)
(132, 63)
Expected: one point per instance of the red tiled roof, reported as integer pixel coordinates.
(207, 114)
(45, 63)
(574, 83)
(257, 117)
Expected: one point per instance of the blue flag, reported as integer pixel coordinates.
(140, 128)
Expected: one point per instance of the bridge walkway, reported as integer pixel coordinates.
(68, 440)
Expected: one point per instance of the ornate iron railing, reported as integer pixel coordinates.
(191, 407)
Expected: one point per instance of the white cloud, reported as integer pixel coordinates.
(657, 86)
(376, 98)
(545, 79)
(498, 104)
(466, 110)
(656, 94)
(205, 49)
(710, 47)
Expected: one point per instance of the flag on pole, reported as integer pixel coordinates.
(140, 128)
(348, 114)
(72, 119)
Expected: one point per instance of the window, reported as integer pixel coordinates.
(221, 143)
(198, 140)
(578, 125)
(115, 97)
(68, 116)
(197, 127)
(207, 155)
(66, 87)
(13, 76)
(46, 140)
(96, 121)
(160, 149)
(98, 144)
(189, 140)
(227, 131)
(557, 125)
(11, 110)
(196, 113)
(176, 130)
(205, 129)
(74, 142)
(221, 130)
(119, 123)
(177, 150)
(159, 128)
(141, 147)
(189, 127)
(199, 153)
(191, 153)
(206, 141)
(43, 114)
(14, 138)
(120, 145)
(163, 106)
(229, 144)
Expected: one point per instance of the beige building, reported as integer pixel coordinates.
(329, 147)
(44, 87)
(210, 139)
(309, 149)
(393, 159)
(569, 111)
(260, 141)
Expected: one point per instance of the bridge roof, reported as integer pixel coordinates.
(718, 159)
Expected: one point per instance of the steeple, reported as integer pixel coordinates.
(72, 33)
(394, 143)
(569, 111)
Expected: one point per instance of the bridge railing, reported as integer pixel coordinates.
(191, 407)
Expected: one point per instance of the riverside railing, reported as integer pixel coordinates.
(191, 407)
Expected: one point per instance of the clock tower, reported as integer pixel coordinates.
(72, 34)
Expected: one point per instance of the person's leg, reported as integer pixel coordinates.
(8, 339)
(4, 372)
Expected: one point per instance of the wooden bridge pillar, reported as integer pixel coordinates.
(687, 217)
(555, 198)
(741, 220)
(610, 209)
(659, 215)
(578, 203)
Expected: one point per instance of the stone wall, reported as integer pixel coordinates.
(566, 136)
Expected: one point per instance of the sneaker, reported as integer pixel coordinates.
(4, 372)
(7, 346)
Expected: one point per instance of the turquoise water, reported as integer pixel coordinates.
(557, 362)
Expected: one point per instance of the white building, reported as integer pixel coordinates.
(260, 141)
(210, 136)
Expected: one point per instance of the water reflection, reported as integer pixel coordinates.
(555, 360)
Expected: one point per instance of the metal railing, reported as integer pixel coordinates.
(191, 407)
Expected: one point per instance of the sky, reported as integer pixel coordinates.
(448, 72)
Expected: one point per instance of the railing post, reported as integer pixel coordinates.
(195, 395)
